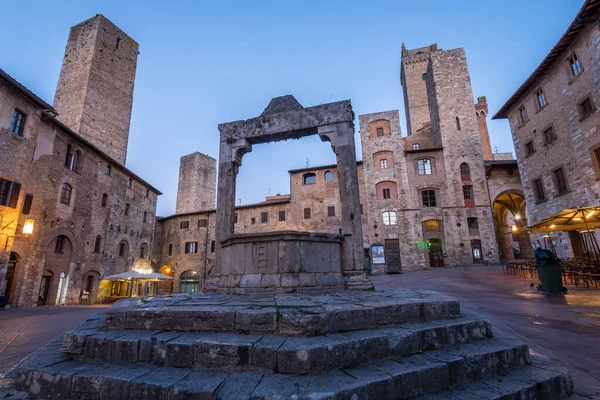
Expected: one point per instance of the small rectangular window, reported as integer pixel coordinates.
(108, 170)
(468, 196)
(389, 218)
(457, 124)
(560, 180)
(383, 164)
(379, 131)
(361, 208)
(17, 124)
(202, 223)
(574, 66)
(184, 225)
(104, 199)
(191, 247)
(472, 223)
(235, 218)
(538, 190)
(387, 194)
(27, 204)
(549, 135)
(9, 193)
(170, 249)
(59, 245)
(97, 244)
(145, 217)
(416, 146)
(282, 216)
(212, 246)
(127, 208)
(129, 183)
(540, 98)
(428, 197)
(424, 166)
(307, 213)
(597, 158)
(529, 148)
(586, 108)
(122, 249)
(331, 211)
(252, 221)
(264, 217)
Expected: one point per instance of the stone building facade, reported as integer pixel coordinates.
(429, 199)
(555, 127)
(196, 187)
(92, 217)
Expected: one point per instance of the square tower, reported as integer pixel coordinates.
(94, 94)
(197, 187)
(414, 65)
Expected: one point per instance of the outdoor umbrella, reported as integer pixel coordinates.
(583, 219)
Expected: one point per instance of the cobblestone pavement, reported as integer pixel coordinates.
(24, 330)
(564, 328)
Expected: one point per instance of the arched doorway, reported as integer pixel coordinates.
(12, 268)
(189, 281)
(510, 214)
(165, 286)
(433, 235)
(58, 258)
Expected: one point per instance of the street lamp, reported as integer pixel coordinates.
(28, 227)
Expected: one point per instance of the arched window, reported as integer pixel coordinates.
(309, 178)
(465, 172)
(65, 194)
(379, 128)
(143, 249)
(383, 159)
(189, 281)
(328, 176)
(389, 218)
(123, 249)
(61, 242)
(386, 190)
(424, 166)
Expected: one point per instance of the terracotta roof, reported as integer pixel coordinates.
(331, 166)
(583, 17)
(26, 92)
(492, 163)
(423, 149)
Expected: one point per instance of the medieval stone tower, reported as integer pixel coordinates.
(94, 94)
(414, 65)
(197, 188)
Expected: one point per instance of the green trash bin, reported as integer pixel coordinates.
(549, 269)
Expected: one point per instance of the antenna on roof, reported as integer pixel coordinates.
(239, 202)
(496, 149)
(307, 161)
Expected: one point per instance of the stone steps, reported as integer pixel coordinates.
(276, 353)
(52, 375)
(290, 314)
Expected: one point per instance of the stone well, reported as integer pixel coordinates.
(282, 261)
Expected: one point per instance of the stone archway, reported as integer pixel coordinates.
(510, 214)
(57, 261)
(283, 119)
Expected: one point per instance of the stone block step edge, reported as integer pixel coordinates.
(287, 320)
(411, 377)
(270, 352)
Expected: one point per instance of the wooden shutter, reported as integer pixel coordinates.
(14, 195)
(27, 204)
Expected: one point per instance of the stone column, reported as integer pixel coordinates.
(230, 159)
(341, 137)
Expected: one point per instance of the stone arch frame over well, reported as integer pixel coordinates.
(285, 118)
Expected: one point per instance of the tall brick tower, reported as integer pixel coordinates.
(481, 109)
(94, 94)
(197, 186)
(414, 65)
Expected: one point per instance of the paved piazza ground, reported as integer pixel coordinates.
(564, 328)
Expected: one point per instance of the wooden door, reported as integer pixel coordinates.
(392, 256)
(436, 256)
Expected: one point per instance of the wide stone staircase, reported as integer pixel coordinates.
(387, 344)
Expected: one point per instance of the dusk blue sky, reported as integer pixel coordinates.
(202, 63)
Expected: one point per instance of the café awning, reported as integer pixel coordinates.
(570, 219)
(133, 274)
